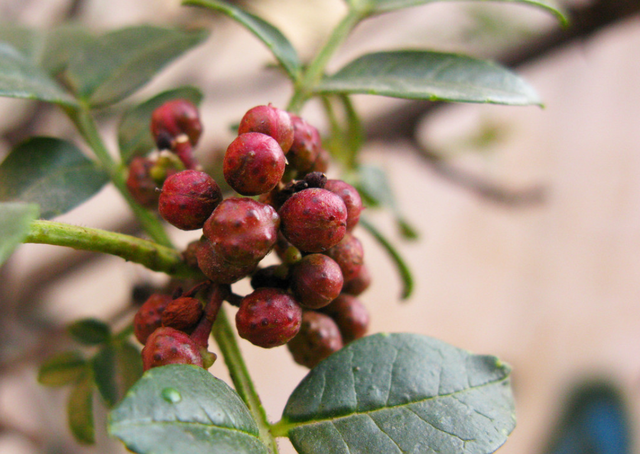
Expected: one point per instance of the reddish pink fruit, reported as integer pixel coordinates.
(149, 316)
(253, 164)
(188, 198)
(306, 145)
(351, 199)
(170, 346)
(349, 254)
(350, 315)
(140, 184)
(183, 313)
(359, 283)
(174, 118)
(271, 121)
(216, 268)
(313, 220)
(241, 230)
(268, 317)
(316, 280)
(318, 338)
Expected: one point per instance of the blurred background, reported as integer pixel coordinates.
(528, 218)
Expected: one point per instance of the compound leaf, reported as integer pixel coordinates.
(50, 172)
(80, 411)
(128, 366)
(62, 369)
(22, 78)
(180, 408)
(134, 136)
(433, 76)
(89, 331)
(273, 38)
(381, 6)
(401, 393)
(15, 218)
(104, 373)
(113, 66)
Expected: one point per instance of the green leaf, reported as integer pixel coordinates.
(29, 42)
(396, 258)
(80, 411)
(21, 78)
(104, 373)
(134, 136)
(89, 331)
(62, 369)
(273, 38)
(128, 366)
(115, 65)
(179, 408)
(433, 76)
(401, 393)
(381, 6)
(61, 45)
(14, 225)
(50, 172)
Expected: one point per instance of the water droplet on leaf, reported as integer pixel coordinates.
(171, 395)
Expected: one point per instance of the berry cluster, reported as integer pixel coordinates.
(308, 301)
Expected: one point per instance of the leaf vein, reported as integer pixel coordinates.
(384, 432)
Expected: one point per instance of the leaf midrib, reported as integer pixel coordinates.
(288, 425)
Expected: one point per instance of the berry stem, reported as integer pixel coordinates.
(147, 253)
(89, 131)
(225, 337)
(312, 76)
(202, 331)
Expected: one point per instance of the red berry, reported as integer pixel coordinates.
(350, 315)
(253, 164)
(174, 118)
(306, 145)
(321, 164)
(316, 280)
(216, 268)
(351, 199)
(241, 230)
(188, 198)
(313, 220)
(318, 338)
(140, 183)
(170, 346)
(182, 313)
(349, 254)
(271, 121)
(149, 316)
(359, 283)
(268, 317)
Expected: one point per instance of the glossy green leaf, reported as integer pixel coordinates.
(134, 136)
(115, 65)
(128, 366)
(433, 76)
(62, 369)
(104, 374)
(381, 6)
(50, 172)
(179, 409)
(273, 38)
(15, 218)
(89, 331)
(22, 78)
(80, 411)
(50, 50)
(401, 393)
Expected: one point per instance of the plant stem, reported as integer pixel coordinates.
(89, 131)
(153, 256)
(226, 339)
(313, 74)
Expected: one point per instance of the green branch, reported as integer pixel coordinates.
(89, 131)
(226, 339)
(147, 253)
